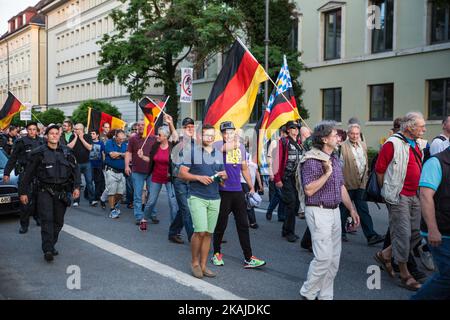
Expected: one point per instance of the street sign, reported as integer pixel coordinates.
(25, 115)
(186, 85)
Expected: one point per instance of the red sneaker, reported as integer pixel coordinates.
(143, 225)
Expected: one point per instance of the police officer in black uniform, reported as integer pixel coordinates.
(19, 159)
(57, 173)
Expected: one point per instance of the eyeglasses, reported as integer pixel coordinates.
(208, 136)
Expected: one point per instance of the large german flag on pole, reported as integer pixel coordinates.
(234, 92)
(96, 119)
(10, 108)
(151, 110)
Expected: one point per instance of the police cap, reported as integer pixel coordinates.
(50, 127)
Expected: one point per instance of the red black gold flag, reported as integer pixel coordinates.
(151, 110)
(234, 92)
(96, 119)
(10, 108)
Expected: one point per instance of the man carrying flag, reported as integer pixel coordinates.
(10, 108)
(234, 92)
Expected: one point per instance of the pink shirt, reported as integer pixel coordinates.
(161, 166)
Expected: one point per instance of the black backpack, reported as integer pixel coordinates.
(426, 151)
(373, 190)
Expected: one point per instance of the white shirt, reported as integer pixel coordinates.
(252, 167)
(437, 145)
(358, 153)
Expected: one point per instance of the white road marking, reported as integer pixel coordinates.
(199, 285)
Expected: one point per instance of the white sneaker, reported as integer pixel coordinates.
(75, 204)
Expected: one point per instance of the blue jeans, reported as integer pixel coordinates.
(183, 216)
(437, 286)
(276, 201)
(129, 182)
(86, 170)
(138, 185)
(155, 189)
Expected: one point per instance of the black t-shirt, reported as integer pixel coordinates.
(79, 150)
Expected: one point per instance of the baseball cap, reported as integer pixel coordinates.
(187, 121)
(292, 124)
(226, 125)
(253, 200)
(50, 127)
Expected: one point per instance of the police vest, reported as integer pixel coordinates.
(28, 145)
(57, 165)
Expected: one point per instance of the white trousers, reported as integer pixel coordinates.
(325, 227)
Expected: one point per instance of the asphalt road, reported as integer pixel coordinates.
(114, 260)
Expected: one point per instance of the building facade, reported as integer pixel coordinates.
(23, 58)
(376, 60)
(74, 27)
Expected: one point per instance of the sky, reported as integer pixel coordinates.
(9, 8)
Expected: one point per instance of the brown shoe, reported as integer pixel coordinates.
(208, 273)
(197, 271)
(176, 239)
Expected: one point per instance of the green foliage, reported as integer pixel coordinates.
(371, 153)
(282, 17)
(80, 114)
(153, 37)
(46, 117)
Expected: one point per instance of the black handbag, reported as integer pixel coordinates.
(373, 190)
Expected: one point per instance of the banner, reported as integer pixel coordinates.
(25, 115)
(186, 85)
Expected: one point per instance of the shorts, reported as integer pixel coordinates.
(204, 213)
(115, 183)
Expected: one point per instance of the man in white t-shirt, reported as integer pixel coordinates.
(441, 142)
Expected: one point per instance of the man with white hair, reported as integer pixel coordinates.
(398, 169)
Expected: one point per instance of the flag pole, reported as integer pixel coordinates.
(153, 128)
(37, 119)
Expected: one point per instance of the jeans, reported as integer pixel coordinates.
(129, 182)
(437, 286)
(86, 170)
(155, 189)
(138, 185)
(276, 200)
(357, 196)
(183, 217)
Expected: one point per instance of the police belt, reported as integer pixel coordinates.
(53, 187)
(114, 169)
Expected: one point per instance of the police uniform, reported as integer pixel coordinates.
(19, 159)
(57, 173)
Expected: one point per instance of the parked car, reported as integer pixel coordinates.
(9, 196)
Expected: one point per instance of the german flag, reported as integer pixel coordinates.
(96, 119)
(234, 92)
(10, 108)
(151, 110)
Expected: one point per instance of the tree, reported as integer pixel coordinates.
(153, 37)
(282, 17)
(51, 116)
(80, 114)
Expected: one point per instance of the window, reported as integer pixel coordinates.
(199, 109)
(332, 104)
(199, 72)
(332, 46)
(293, 35)
(440, 23)
(381, 102)
(382, 38)
(439, 99)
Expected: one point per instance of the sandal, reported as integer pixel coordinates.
(387, 266)
(409, 283)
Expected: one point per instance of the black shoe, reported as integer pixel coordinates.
(48, 256)
(375, 239)
(55, 252)
(154, 220)
(38, 221)
(23, 230)
(103, 204)
(176, 239)
(291, 237)
(254, 226)
(138, 222)
(344, 237)
(268, 216)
